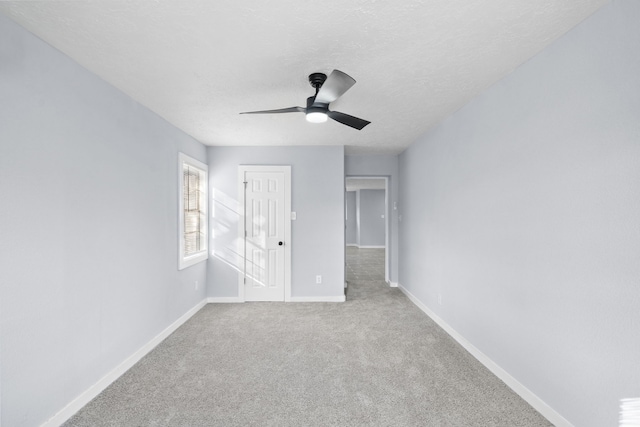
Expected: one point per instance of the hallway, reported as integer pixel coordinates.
(365, 265)
(365, 273)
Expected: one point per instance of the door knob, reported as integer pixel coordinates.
(280, 243)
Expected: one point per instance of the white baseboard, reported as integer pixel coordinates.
(352, 244)
(393, 284)
(224, 300)
(75, 405)
(370, 247)
(220, 300)
(533, 400)
(338, 298)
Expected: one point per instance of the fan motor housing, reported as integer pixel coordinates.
(317, 107)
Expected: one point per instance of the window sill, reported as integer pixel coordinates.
(192, 260)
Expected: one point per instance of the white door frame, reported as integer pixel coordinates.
(387, 222)
(286, 169)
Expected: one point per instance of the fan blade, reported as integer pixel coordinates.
(282, 110)
(334, 87)
(348, 120)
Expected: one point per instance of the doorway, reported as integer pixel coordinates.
(265, 233)
(367, 219)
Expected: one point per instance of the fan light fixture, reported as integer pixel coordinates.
(316, 117)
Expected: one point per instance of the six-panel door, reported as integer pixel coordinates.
(265, 220)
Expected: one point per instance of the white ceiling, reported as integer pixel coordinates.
(199, 63)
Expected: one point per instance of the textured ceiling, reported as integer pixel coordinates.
(199, 63)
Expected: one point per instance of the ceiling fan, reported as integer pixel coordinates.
(328, 89)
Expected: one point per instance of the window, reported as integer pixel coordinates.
(192, 213)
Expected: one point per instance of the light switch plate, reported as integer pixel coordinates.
(293, 216)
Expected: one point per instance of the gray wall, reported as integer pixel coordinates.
(317, 187)
(372, 223)
(522, 210)
(381, 165)
(88, 219)
(352, 219)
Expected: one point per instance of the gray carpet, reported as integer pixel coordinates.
(373, 360)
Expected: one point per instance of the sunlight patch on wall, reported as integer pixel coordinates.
(630, 412)
(226, 213)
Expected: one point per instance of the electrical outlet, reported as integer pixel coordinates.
(318, 279)
(196, 285)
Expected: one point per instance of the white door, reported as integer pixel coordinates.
(266, 232)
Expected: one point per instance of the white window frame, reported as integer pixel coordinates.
(183, 260)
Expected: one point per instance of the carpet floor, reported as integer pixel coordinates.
(375, 360)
